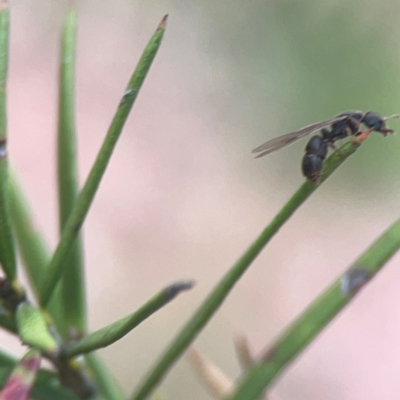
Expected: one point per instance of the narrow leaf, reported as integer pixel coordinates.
(85, 198)
(7, 252)
(115, 331)
(226, 284)
(20, 383)
(73, 285)
(33, 330)
(33, 248)
(318, 315)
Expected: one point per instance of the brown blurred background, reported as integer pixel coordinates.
(183, 198)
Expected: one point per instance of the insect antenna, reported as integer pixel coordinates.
(391, 116)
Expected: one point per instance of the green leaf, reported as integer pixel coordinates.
(85, 198)
(226, 284)
(73, 283)
(33, 249)
(115, 331)
(33, 330)
(318, 315)
(7, 251)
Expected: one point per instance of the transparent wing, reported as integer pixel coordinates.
(285, 140)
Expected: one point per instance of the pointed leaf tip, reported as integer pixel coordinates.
(173, 290)
(163, 22)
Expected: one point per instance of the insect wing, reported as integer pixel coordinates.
(285, 140)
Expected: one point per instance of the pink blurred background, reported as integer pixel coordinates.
(183, 198)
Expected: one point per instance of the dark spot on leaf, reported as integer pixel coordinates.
(173, 290)
(3, 148)
(354, 279)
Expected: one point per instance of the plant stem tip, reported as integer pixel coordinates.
(173, 290)
(163, 22)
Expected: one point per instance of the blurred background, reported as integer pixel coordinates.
(183, 197)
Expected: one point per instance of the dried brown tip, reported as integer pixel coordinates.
(163, 22)
(212, 377)
(243, 352)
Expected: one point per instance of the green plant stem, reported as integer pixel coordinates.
(85, 198)
(7, 251)
(318, 315)
(221, 291)
(115, 331)
(73, 282)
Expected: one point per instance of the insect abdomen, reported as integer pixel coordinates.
(316, 151)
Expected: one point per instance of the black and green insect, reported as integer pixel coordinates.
(346, 124)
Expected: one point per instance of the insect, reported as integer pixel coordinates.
(345, 124)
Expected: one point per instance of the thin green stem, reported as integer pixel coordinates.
(7, 251)
(223, 288)
(318, 315)
(73, 282)
(85, 198)
(115, 331)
